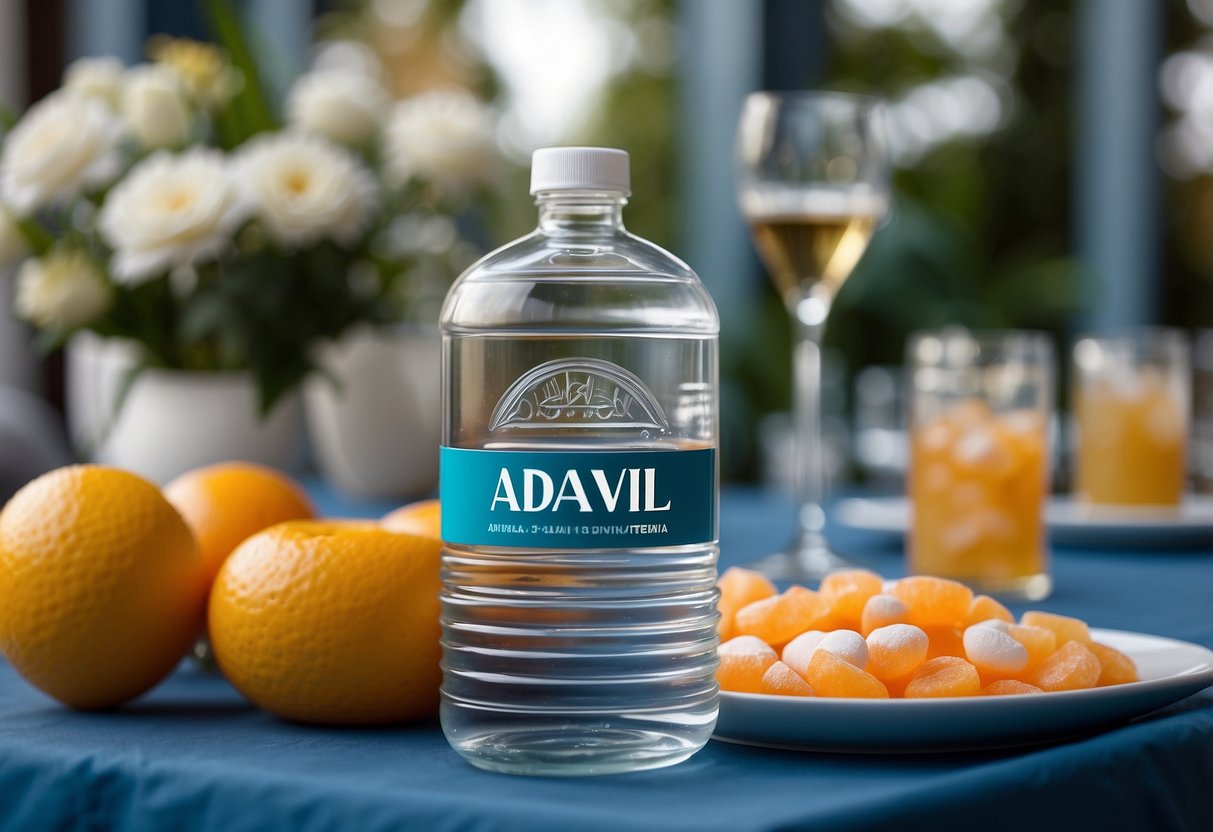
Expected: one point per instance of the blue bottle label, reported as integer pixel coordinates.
(578, 500)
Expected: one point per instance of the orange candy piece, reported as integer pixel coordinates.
(831, 676)
(781, 618)
(847, 591)
(782, 680)
(1115, 668)
(881, 610)
(896, 651)
(739, 587)
(1039, 642)
(1064, 627)
(983, 608)
(933, 602)
(1009, 687)
(944, 676)
(944, 641)
(743, 662)
(1072, 667)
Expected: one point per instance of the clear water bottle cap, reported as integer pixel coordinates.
(580, 169)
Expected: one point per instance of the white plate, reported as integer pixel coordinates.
(1070, 524)
(1170, 671)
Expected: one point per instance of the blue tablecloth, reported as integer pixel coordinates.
(193, 755)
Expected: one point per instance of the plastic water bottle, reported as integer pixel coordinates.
(579, 491)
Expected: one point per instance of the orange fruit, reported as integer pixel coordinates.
(102, 588)
(331, 623)
(423, 518)
(226, 503)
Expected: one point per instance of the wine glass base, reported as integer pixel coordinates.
(806, 560)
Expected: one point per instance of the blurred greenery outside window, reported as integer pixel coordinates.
(981, 97)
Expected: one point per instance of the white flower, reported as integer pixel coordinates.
(154, 104)
(442, 137)
(13, 248)
(95, 78)
(338, 104)
(305, 188)
(171, 210)
(63, 290)
(348, 56)
(64, 145)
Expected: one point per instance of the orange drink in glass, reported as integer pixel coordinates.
(1131, 399)
(979, 459)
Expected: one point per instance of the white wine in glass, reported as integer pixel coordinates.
(813, 186)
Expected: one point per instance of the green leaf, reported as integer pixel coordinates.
(249, 112)
(36, 237)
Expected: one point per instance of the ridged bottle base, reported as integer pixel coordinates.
(570, 749)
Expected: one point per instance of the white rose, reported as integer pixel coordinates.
(305, 189)
(95, 78)
(65, 145)
(155, 106)
(446, 138)
(338, 104)
(13, 248)
(63, 290)
(171, 210)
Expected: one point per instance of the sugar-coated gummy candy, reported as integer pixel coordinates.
(985, 608)
(847, 591)
(1009, 687)
(881, 610)
(739, 587)
(896, 651)
(1115, 668)
(743, 661)
(993, 651)
(780, 618)
(797, 652)
(781, 680)
(1071, 667)
(1063, 626)
(1039, 642)
(944, 676)
(831, 676)
(848, 645)
(933, 602)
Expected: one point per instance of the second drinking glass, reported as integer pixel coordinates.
(980, 407)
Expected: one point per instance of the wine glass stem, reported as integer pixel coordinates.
(808, 322)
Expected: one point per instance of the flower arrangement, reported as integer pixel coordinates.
(165, 203)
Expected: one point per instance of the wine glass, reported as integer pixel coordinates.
(813, 186)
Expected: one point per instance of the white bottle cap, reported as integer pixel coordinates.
(580, 169)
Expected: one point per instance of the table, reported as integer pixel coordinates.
(194, 756)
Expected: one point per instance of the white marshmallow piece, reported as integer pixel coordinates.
(847, 645)
(799, 651)
(991, 649)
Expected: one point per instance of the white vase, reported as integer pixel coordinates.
(171, 421)
(374, 423)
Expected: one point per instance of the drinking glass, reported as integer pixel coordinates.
(1131, 397)
(813, 185)
(980, 406)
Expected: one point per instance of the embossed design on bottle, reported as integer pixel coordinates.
(578, 393)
